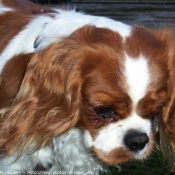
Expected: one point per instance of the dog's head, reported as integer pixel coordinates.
(115, 89)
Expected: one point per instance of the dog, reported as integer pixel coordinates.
(79, 93)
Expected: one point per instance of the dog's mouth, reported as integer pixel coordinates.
(114, 157)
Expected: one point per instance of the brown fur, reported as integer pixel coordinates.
(121, 154)
(11, 83)
(15, 23)
(49, 101)
(26, 7)
(64, 82)
(167, 126)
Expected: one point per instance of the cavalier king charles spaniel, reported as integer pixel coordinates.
(80, 92)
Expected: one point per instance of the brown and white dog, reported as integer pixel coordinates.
(79, 92)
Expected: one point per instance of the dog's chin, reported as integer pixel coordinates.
(115, 157)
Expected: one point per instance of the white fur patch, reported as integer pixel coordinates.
(27, 161)
(137, 77)
(4, 9)
(66, 22)
(111, 137)
(23, 42)
(71, 155)
(63, 24)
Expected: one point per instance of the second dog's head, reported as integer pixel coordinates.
(113, 88)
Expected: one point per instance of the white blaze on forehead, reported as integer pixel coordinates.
(111, 136)
(137, 77)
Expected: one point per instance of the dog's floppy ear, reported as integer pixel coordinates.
(48, 102)
(167, 123)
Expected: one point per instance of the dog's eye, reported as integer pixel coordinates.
(104, 112)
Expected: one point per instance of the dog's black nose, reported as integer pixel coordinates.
(135, 141)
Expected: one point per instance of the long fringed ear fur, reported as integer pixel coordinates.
(48, 102)
(167, 123)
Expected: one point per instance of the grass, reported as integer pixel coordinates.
(155, 165)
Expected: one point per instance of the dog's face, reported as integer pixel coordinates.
(119, 112)
(114, 88)
(123, 95)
